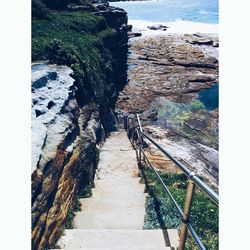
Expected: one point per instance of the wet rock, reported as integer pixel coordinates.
(201, 39)
(129, 27)
(216, 44)
(134, 34)
(158, 27)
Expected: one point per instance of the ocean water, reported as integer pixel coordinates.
(210, 97)
(201, 11)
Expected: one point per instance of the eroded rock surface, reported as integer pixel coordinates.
(196, 156)
(64, 137)
(166, 78)
(167, 67)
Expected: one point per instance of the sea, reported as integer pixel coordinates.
(181, 16)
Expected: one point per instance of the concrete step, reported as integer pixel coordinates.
(117, 184)
(115, 239)
(113, 201)
(115, 218)
(124, 185)
(119, 248)
(117, 158)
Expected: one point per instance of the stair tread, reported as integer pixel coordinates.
(111, 200)
(82, 238)
(113, 218)
(119, 248)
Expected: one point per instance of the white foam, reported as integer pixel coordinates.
(177, 27)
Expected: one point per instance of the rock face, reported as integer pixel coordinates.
(116, 18)
(166, 76)
(201, 39)
(64, 137)
(66, 133)
(196, 156)
(167, 67)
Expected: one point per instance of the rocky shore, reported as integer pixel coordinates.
(166, 76)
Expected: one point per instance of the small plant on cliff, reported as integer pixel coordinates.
(69, 219)
(86, 192)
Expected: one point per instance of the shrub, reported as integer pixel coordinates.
(56, 4)
(57, 53)
(40, 11)
(160, 212)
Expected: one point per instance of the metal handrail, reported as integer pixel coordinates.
(190, 174)
(193, 180)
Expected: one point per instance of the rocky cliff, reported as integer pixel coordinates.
(72, 107)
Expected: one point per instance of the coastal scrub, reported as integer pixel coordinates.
(161, 213)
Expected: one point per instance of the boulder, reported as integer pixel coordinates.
(158, 27)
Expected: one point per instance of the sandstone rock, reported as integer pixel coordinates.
(197, 157)
(115, 17)
(172, 69)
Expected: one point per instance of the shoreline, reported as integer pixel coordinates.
(175, 27)
(168, 69)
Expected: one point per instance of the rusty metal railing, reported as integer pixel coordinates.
(136, 136)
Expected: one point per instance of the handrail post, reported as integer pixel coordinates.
(140, 145)
(128, 125)
(125, 121)
(186, 214)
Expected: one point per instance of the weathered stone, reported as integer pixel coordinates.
(166, 76)
(165, 66)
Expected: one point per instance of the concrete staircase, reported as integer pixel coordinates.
(113, 218)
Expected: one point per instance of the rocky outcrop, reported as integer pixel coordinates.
(165, 67)
(201, 39)
(166, 76)
(64, 139)
(67, 130)
(117, 19)
(196, 156)
(158, 27)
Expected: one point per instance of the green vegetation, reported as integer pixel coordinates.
(75, 39)
(161, 213)
(177, 113)
(69, 219)
(194, 105)
(84, 192)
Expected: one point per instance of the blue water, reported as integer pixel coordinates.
(204, 11)
(210, 97)
(37, 67)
